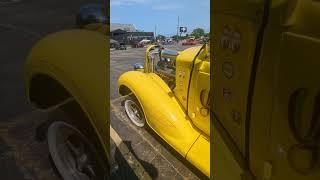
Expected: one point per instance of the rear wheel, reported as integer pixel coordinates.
(72, 153)
(134, 111)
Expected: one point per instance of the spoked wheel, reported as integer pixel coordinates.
(72, 153)
(134, 112)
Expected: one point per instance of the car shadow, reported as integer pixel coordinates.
(122, 169)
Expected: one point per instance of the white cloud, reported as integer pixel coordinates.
(126, 2)
(166, 7)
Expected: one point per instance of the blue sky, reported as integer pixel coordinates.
(146, 14)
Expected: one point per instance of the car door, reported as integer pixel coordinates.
(236, 38)
(291, 53)
(198, 98)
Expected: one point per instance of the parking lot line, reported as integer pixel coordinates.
(135, 165)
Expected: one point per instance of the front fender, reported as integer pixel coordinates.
(77, 59)
(162, 110)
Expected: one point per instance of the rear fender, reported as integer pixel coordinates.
(162, 110)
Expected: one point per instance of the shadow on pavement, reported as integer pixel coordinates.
(123, 171)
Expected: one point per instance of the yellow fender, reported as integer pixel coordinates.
(77, 60)
(162, 110)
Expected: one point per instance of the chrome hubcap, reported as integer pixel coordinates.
(134, 113)
(72, 154)
(80, 158)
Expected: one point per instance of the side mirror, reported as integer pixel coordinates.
(138, 67)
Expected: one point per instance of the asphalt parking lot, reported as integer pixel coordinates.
(157, 159)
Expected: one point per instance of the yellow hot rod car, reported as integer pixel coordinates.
(67, 70)
(170, 93)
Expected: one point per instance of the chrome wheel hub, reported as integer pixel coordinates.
(134, 113)
(72, 154)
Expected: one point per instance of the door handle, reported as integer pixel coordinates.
(205, 98)
(205, 102)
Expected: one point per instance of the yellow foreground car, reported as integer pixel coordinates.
(265, 88)
(68, 69)
(170, 93)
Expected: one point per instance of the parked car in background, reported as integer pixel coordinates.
(114, 43)
(137, 45)
(189, 42)
(121, 46)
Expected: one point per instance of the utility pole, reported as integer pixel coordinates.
(155, 31)
(178, 27)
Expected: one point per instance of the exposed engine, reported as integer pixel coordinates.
(166, 66)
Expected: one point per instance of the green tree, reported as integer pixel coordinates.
(161, 37)
(175, 37)
(198, 32)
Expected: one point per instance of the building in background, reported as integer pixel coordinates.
(124, 27)
(128, 34)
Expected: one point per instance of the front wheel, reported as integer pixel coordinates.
(73, 155)
(134, 112)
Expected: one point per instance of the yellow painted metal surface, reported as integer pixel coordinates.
(199, 154)
(288, 64)
(183, 70)
(232, 75)
(147, 62)
(235, 25)
(162, 110)
(199, 93)
(225, 166)
(77, 59)
(165, 109)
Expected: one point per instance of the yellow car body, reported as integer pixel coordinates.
(266, 70)
(165, 110)
(72, 64)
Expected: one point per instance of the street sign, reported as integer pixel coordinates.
(183, 29)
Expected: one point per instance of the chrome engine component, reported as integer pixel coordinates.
(166, 67)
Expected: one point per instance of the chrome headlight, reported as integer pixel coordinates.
(138, 67)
